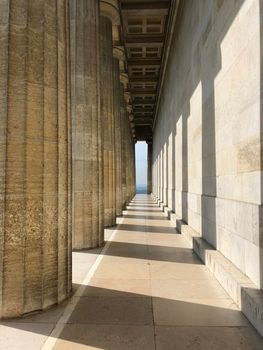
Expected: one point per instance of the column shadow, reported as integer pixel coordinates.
(110, 318)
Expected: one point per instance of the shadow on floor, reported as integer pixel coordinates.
(150, 252)
(150, 229)
(113, 319)
(145, 211)
(139, 206)
(148, 217)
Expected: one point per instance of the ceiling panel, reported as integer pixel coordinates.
(144, 29)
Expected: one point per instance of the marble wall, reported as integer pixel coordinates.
(207, 148)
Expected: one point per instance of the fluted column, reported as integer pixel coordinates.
(35, 158)
(132, 167)
(109, 15)
(107, 117)
(117, 140)
(149, 167)
(130, 162)
(88, 221)
(128, 159)
(123, 145)
(134, 172)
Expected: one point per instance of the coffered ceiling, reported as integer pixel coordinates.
(144, 29)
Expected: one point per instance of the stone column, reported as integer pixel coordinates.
(109, 15)
(88, 226)
(133, 171)
(35, 156)
(118, 54)
(123, 145)
(149, 167)
(128, 160)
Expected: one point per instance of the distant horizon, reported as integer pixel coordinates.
(141, 167)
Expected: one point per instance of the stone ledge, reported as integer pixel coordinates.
(165, 209)
(240, 288)
(162, 206)
(167, 212)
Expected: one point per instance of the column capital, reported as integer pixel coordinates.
(110, 9)
(133, 131)
(129, 108)
(119, 53)
(131, 117)
(124, 79)
(127, 96)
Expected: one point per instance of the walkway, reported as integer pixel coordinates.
(151, 292)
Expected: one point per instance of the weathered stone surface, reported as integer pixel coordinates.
(117, 135)
(35, 156)
(123, 145)
(106, 89)
(88, 225)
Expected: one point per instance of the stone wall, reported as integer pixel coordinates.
(207, 149)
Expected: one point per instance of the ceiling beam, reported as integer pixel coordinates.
(145, 12)
(142, 103)
(142, 5)
(143, 40)
(143, 79)
(143, 132)
(143, 121)
(144, 62)
(142, 110)
(143, 92)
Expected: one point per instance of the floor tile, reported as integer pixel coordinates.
(21, 336)
(118, 287)
(207, 338)
(187, 289)
(173, 254)
(110, 310)
(197, 312)
(179, 271)
(90, 337)
(123, 271)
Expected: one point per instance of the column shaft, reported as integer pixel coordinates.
(117, 118)
(106, 88)
(87, 135)
(123, 145)
(35, 149)
(149, 168)
(130, 157)
(128, 160)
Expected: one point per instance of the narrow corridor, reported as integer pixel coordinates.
(150, 291)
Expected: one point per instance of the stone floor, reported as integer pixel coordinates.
(146, 290)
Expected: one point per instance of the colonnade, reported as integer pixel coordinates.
(66, 144)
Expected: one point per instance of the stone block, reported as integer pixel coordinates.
(241, 289)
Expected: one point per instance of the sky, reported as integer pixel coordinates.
(141, 163)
